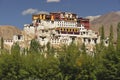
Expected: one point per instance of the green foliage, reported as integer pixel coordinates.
(72, 63)
(68, 65)
(34, 46)
(111, 35)
(10, 65)
(102, 32)
(2, 43)
(118, 38)
(102, 35)
(15, 49)
(75, 65)
(50, 49)
(110, 63)
(83, 48)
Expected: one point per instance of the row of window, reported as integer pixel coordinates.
(67, 24)
(8, 40)
(82, 33)
(89, 40)
(69, 29)
(58, 41)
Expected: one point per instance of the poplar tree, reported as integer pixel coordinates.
(111, 47)
(118, 37)
(102, 33)
(34, 46)
(111, 59)
(111, 34)
(15, 49)
(102, 36)
(83, 48)
(2, 43)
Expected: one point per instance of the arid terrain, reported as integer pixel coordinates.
(108, 19)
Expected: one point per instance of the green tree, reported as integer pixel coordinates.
(34, 46)
(50, 49)
(102, 33)
(118, 38)
(2, 50)
(108, 61)
(110, 66)
(2, 43)
(15, 49)
(68, 61)
(111, 46)
(11, 64)
(83, 48)
(102, 37)
(111, 34)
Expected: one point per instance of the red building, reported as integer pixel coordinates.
(55, 15)
(84, 22)
(63, 16)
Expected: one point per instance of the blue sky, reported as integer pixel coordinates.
(19, 12)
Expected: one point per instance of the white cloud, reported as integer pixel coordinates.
(30, 11)
(53, 1)
(33, 11)
(93, 17)
(42, 12)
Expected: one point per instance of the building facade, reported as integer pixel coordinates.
(60, 28)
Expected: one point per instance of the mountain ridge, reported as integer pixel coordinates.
(7, 31)
(106, 20)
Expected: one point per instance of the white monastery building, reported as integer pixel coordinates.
(58, 28)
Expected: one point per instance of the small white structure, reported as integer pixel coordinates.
(18, 38)
(8, 42)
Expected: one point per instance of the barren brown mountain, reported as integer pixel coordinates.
(112, 18)
(7, 32)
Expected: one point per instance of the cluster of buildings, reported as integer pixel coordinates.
(58, 28)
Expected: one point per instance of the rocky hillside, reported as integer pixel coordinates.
(7, 32)
(112, 18)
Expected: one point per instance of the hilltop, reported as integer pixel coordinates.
(7, 31)
(108, 19)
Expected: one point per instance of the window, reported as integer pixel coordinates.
(19, 37)
(106, 42)
(67, 29)
(42, 39)
(39, 21)
(84, 39)
(95, 40)
(89, 40)
(73, 30)
(83, 32)
(46, 31)
(42, 31)
(52, 22)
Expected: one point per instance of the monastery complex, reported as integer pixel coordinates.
(57, 28)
